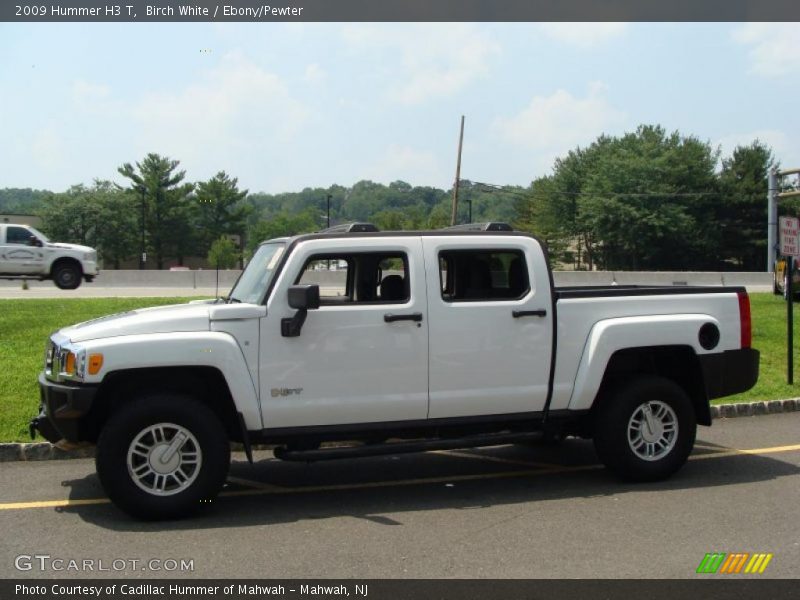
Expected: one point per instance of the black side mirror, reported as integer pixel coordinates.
(34, 241)
(303, 298)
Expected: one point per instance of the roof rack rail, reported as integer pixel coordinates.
(491, 226)
(351, 228)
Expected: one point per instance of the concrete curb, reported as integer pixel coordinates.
(20, 451)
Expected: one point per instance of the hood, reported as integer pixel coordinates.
(160, 319)
(74, 247)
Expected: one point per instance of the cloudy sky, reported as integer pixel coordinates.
(285, 106)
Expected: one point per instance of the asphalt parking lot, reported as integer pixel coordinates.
(502, 512)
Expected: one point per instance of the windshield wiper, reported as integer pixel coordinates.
(231, 300)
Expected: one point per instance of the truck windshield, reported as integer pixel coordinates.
(253, 283)
(39, 234)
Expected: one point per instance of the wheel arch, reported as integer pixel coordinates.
(205, 383)
(679, 364)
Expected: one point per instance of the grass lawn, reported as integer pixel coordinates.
(26, 324)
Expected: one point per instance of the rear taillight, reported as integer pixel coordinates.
(744, 319)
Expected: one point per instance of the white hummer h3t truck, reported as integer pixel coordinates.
(417, 341)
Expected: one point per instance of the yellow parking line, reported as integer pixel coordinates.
(53, 503)
(258, 488)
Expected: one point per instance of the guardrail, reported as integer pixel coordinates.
(207, 279)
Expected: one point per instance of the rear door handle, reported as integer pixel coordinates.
(391, 318)
(529, 313)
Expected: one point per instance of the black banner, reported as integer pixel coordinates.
(400, 10)
(253, 589)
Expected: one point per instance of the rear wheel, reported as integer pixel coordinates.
(162, 456)
(645, 429)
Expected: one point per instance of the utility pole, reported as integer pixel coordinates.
(453, 214)
(329, 211)
(143, 255)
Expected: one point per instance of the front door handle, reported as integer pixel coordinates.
(391, 318)
(529, 313)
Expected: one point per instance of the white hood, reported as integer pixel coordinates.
(73, 247)
(160, 319)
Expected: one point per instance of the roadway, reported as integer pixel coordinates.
(502, 512)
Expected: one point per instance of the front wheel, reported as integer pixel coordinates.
(67, 276)
(645, 430)
(162, 456)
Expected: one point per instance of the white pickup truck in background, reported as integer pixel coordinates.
(428, 340)
(26, 253)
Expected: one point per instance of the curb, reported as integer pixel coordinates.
(21, 451)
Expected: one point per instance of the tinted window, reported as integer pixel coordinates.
(17, 235)
(471, 275)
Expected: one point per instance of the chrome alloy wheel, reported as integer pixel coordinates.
(164, 459)
(652, 430)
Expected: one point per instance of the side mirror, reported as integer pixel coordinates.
(303, 298)
(34, 241)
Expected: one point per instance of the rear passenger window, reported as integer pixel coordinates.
(472, 275)
(359, 278)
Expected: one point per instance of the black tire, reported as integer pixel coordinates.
(623, 450)
(67, 275)
(116, 460)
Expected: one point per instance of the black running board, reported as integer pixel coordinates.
(473, 441)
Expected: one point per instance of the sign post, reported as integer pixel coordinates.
(790, 248)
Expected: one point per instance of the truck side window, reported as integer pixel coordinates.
(17, 235)
(471, 275)
(359, 277)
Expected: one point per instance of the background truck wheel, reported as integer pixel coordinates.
(645, 429)
(162, 456)
(67, 275)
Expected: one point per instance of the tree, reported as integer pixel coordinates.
(222, 254)
(283, 224)
(741, 214)
(640, 201)
(101, 216)
(167, 210)
(220, 208)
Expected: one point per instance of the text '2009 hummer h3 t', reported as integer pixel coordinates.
(416, 341)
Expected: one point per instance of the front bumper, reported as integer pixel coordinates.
(730, 372)
(61, 409)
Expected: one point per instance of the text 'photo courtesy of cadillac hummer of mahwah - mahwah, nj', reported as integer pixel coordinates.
(354, 342)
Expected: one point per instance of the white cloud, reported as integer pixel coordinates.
(85, 93)
(47, 149)
(236, 109)
(407, 164)
(436, 59)
(584, 35)
(552, 125)
(774, 47)
(314, 74)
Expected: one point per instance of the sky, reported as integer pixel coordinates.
(288, 106)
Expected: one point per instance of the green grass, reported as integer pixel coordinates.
(26, 324)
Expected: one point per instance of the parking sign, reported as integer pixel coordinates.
(789, 229)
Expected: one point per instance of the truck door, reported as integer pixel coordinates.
(362, 356)
(16, 255)
(490, 323)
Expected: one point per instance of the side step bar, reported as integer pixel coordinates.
(472, 441)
